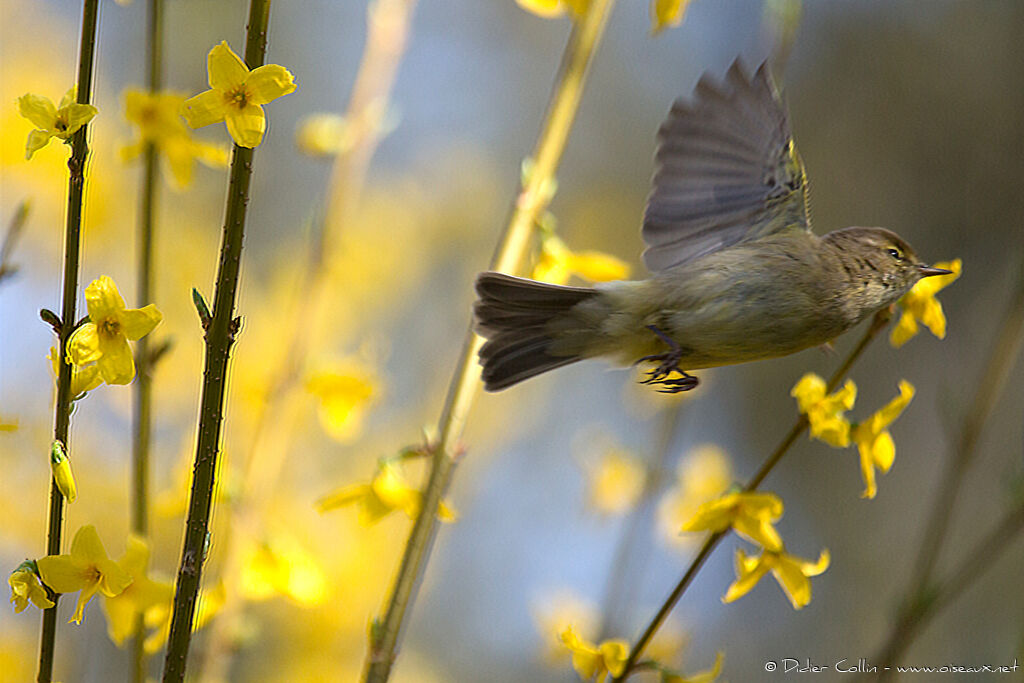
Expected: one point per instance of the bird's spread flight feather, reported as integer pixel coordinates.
(727, 171)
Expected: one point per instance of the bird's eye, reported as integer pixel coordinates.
(895, 253)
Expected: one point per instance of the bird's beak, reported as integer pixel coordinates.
(928, 271)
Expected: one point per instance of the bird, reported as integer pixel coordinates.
(736, 273)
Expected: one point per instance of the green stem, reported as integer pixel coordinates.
(142, 413)
(72, 248)
(512, 249)
(219, 337)
(878, 323)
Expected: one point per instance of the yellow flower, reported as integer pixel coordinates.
(825, 413)
(105, 338)
(61, 467)
(920, 304)
(345, 389)
(555, 8)
(557, 263)
(387, 492)
(236, 95)
(83, 377)
(321, 135)
(791, 572)
(750, 514)
(87, 569)
(667, 13)
(558, 611)
(25, 587)
(281, 566)
(157, 117)
(703, 677)
(53, 122)
(8, 426)
(703, 475)
(141, 595)
(874, 441)
(593, 661)
(615, 482)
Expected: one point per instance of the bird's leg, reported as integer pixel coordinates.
(668, 363)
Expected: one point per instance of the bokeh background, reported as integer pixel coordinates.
(907, 114)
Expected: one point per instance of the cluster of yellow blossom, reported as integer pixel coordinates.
(752, 515)
(827, 423)
(920, 304)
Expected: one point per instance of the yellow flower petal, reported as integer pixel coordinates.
(25, 588)
(903, 330)
(84, 345)
(102, 299)
(599, 267)
(667, 13)
(748, 572)
(70, 97)
(268, 82)
(138, 322)
(542, 8)
(38, 109)
(37, 139)
(246, 125)
(116, 364)
(225, 68)
(76, 116)
(205, 108)
(65, 480)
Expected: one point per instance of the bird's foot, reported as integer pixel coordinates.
(668, 363)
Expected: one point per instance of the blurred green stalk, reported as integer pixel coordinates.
(72, 243)
(143, 398)
(219, 337)
(512, 250)
(878, 323)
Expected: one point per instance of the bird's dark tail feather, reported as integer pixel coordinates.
(516, 316)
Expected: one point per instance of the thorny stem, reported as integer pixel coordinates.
(388, 23)
(878, 323)
(219, 338)
(72, 242)
(921, 589)
(512, 249)
(142, 413)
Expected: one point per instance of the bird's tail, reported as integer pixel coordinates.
(518, 317)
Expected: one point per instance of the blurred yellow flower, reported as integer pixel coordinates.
(236, 95)
(750, 514)
(556, 612)
(157, 116)
(281, 566)
(321, 135)
(666, 13)
(387, 492)
(345, 389)
(701, 476)
(614, 482)
(53, 122)
(61, 468)
(592, 661)
(139, 597)
(87, 569)
(825, 413)
(791, 572)
(555, 8)
(83, 377)
(874, 442)
(104, 339)
(557, 263)
(920, 304)
(8, 425)
(25, 587)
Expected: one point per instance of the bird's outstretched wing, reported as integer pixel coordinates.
(726, 171)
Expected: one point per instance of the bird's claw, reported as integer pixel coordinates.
(668, 363)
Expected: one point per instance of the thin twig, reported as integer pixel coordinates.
(878, 323)
(511, 252)
(14, 228)
(219, 338)
(72, 249)
(388, 23)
